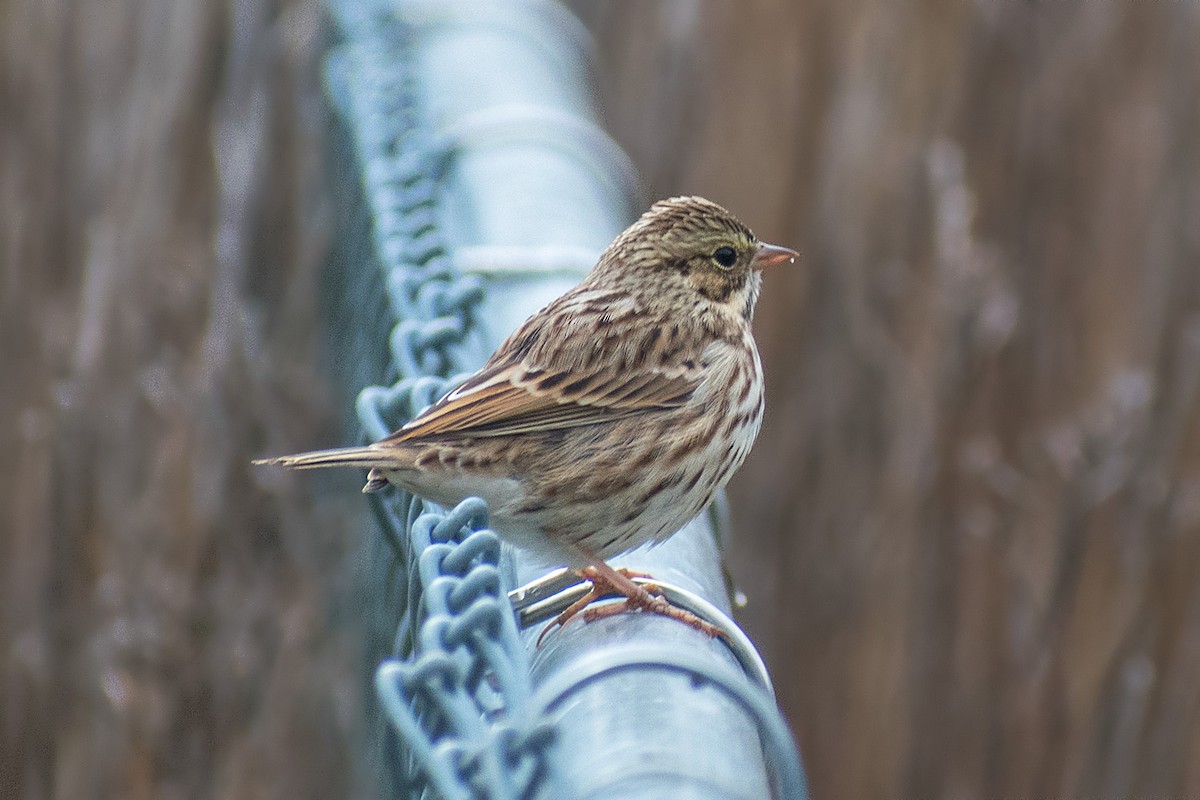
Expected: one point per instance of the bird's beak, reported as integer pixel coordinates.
(771, 255)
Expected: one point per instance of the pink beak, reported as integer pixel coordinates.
(771, 255)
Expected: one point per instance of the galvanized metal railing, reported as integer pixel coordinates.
(488, 189)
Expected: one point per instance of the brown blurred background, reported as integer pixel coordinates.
(970, 532)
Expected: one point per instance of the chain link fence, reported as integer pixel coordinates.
(473, 708)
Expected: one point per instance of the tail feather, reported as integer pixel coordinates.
(369, 457)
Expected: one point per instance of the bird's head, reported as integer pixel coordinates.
(693, 244)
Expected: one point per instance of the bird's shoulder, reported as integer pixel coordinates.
(609, 328)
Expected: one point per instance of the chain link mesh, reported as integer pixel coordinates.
(456, 690)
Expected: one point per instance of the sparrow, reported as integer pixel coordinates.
(611, 417)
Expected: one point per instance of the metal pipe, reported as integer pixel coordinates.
(529, 189)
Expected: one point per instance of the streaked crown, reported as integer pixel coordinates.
(692, 238)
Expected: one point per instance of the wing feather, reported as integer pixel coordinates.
(508, 405)
(541, 379)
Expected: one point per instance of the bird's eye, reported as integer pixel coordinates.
(725, 256)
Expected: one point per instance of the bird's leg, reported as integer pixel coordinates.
(602, 586)
(645, 598)
(606, 581)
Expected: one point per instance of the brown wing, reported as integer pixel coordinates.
(568, 366)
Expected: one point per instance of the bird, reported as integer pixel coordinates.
(612, 416)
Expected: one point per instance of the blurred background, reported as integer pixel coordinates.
(970, 531)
